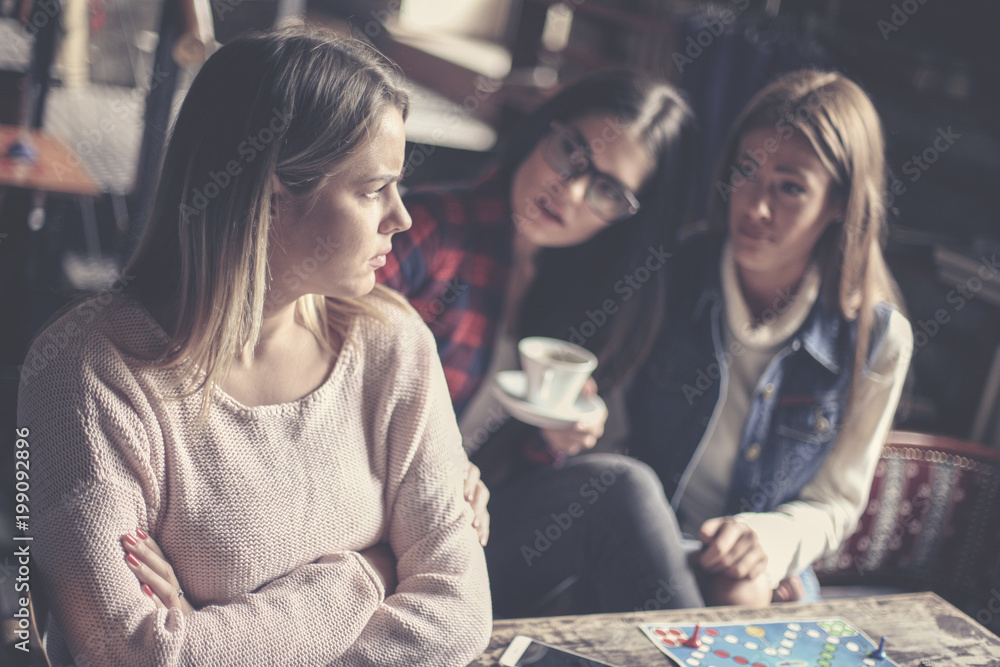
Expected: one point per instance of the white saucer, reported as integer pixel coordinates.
(509, 387)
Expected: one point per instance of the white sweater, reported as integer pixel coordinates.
(797, 533)
(244, 504)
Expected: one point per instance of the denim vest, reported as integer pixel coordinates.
(795, 412)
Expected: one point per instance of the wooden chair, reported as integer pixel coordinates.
(932, 523)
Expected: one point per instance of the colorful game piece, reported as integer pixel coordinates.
(692, 641)
(879, 653)
(829, 642)
(23, 149)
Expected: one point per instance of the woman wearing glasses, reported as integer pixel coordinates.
(563, 238)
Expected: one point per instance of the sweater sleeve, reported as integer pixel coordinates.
(94, 480)
(440, 613)
(797, 533)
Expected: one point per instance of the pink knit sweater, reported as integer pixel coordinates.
(244, 504)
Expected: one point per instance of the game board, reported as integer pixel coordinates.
(798, 643)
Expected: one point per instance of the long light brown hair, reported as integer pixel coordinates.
(841, 124)
(292, 103)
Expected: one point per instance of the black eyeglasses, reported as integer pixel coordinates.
(564, 151)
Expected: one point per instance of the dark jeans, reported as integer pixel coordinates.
(600, 523)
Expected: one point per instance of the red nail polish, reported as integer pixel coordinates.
(131, 540)
(147, 590)
(133, 560)
(141, 533)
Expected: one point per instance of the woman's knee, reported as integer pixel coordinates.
(623, 483)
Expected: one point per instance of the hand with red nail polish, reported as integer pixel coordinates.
(156, 576)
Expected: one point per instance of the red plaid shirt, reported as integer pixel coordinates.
(453, 266)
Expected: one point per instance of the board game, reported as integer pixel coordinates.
(797, 643)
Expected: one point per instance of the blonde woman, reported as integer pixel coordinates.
(267, 434)
(781, 361)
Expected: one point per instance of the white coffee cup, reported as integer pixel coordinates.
(555, 371)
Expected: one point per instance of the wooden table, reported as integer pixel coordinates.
(56, 168)
(919, 626)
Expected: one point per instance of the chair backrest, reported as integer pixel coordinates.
(932, 523)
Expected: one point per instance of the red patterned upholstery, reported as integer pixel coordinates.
(932, 523)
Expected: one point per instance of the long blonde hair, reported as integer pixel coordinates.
(293, 103)
(838, 119)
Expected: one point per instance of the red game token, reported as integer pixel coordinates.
(722, 654)
(693, 641)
